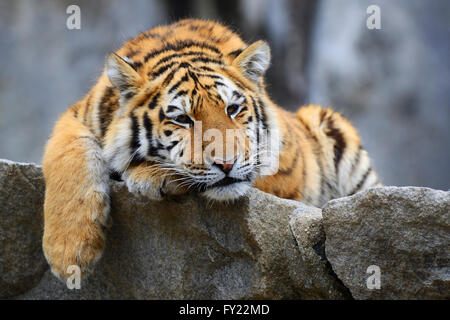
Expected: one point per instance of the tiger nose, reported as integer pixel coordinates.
(225, 166)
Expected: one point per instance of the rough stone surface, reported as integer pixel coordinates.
(403, 231)
(22, 263)
(183, 248)
(306, 225)
(260, 247)
(188, 249)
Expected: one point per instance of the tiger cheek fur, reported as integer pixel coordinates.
(138, 123)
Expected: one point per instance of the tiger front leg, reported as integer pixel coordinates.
(76, 207)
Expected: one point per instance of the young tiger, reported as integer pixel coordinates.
(137, 122)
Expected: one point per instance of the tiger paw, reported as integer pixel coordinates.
(74, 231)
(144, 188)
(79, 246)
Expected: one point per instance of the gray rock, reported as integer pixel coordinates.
(306, 225)
(22, 263)
(258, 247)
(182, 248)
(403, 231)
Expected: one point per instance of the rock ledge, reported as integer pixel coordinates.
(259, 247)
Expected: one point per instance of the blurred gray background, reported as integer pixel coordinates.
(393, 83)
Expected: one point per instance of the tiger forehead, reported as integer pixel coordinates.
(192, 95)
(196, 41)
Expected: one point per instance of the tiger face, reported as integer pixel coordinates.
(198, 121)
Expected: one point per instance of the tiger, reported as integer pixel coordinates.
(136, 125)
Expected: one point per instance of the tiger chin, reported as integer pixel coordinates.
(138, 121)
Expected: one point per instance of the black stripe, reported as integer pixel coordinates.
(176, 85)
(169, 77)
(263, 114)
(178, 45)
(258, 121)
(207, 75)
(194, 77)
(292, 195)
(185, 65)
(144, 99)
(86, 109)
(179, 55)
(317, 154)
(205, 68)
(109, 92)
(302, 192)
(132, 53)
(180, 93)
(161, 114)
(135, 143)
(256, 110)
(153, 103)
(114, 175)
(323, 113)
(105, 110)
(172, 108)
(129, 95)
(193, 27)
(148, 128)
(161, 70)
(361, 182)
(207, 60)
(237, 94)
(150, 34)
(136, 65)
(173, 144)
(356, 161)
(307, 128)
(197, 104)
(149, 135)
(317, 159)
(339, 143)
(235, 53)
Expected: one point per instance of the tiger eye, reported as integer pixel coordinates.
(232, 109)
(183, 119)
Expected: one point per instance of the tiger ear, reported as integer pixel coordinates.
(121, 74)
(254, 61)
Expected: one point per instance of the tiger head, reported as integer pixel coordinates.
(195, 115)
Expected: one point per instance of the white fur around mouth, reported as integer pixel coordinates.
(226, 193)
